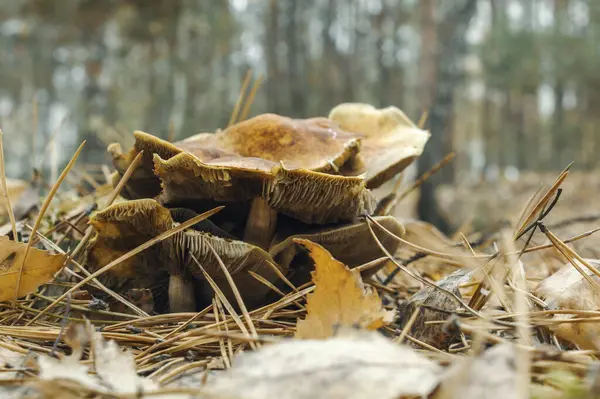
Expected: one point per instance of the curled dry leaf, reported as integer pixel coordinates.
(426, 302)
(38, 269)
(352, 366)
(340, 298)
(567, 289)
(491, 375)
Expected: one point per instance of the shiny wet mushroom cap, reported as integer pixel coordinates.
(390, 141)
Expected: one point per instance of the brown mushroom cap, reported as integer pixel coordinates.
(351, 244)
(309, 196)
(390, 141)
(123, 226)
(314, 144)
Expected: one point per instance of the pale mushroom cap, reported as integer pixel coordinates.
(315, 144)
(390, 141)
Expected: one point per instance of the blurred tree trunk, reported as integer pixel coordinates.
(296, 58)
(559, 139)
(272, 41)
(428, 60)
(451, 47)
(328, 95)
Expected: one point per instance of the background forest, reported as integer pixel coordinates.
(510, 85)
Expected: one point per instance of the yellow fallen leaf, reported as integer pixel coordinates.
(339, 299)
(39, 269)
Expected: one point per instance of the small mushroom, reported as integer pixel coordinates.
(351, 244)
(170, 264)
(390, 141)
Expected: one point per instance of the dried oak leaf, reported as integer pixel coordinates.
(39, 268)
(355, 365)
(568, 289)
(340, 298)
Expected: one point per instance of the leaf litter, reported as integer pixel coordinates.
(472, 315)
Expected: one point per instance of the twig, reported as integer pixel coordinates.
(11, 214)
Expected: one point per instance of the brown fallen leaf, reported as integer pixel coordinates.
(433, 305)
(567, 289)
(339, 299)
(353, 365)
(39, 269)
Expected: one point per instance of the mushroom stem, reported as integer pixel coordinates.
(182, 297)
(261, 223)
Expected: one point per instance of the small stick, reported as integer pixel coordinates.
(435, 169)
(171, 136)
(423, 119)
(115, 193)
(11, 214)
(34, 132)
(238, 103)
(250, 99)
(408, 326)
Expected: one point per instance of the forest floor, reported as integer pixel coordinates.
(489, 312)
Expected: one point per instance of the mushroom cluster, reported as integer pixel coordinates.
(279, 179)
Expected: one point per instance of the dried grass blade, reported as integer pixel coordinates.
(224, 300)
(240, 99)
(236, 292)
(221, 342)
(436, 254)
(572, 257)
(250, 99)
(434, 169)
(537, 209)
